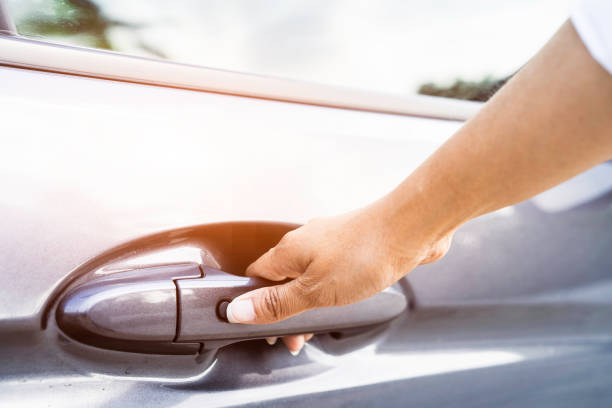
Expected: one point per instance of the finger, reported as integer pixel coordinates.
(288, 259)
(294, 343)
(271, 340)
(276, 265)
(269, 304)
(308, 336)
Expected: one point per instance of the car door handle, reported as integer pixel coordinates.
(179, 309)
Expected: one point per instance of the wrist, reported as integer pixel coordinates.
(426, 210)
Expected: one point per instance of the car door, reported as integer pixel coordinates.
(115, 168)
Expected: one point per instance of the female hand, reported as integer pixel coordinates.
(333, 261)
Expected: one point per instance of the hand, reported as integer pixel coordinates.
(333, 261)
(294, 343)
(536, 132)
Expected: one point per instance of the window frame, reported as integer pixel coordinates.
(20, 52)
(7, 26)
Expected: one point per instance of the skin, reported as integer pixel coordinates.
(552, 121)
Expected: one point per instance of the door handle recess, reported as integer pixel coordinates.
(175, 309)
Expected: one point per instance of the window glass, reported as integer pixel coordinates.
(443, 47)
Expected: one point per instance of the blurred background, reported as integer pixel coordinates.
(457, 49)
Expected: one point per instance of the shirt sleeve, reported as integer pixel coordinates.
(592, 19)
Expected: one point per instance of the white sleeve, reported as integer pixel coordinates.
(592, 19)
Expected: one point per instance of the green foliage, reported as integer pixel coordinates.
(84, 22)
(80, 22)
(70, 18)
(468, 90)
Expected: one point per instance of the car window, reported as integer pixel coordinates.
(459, 49)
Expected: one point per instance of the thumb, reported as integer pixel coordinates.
(268, 305)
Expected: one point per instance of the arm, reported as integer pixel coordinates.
(552, 121)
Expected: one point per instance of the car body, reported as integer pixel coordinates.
(107, 158)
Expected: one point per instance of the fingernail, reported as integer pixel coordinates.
(241, 311)
(300, 344)
(271, 340)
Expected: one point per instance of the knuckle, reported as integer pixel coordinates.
(314, 292)
(306, 292)
(270, 254)
(288, 239)
(272, 303)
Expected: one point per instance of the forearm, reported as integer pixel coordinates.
(549, 123)
(552, 121)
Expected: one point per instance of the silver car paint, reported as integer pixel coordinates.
(508, 318)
